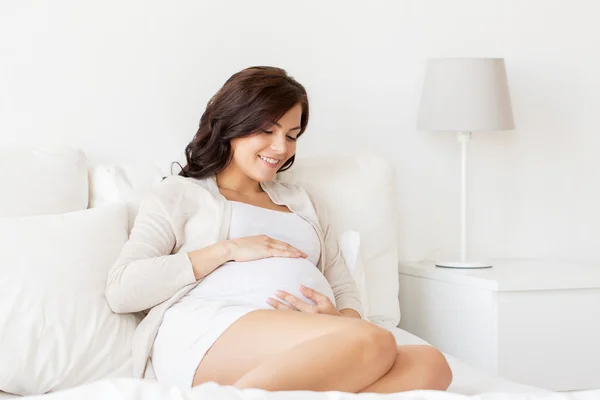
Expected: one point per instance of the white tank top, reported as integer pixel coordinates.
(252, 282)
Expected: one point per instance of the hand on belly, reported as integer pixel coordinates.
(318, 302)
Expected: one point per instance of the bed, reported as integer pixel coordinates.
(361, 195)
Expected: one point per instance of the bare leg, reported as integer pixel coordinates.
(330, 362)
(416, 367)
(286, 350)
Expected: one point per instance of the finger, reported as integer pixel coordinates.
(279, 245)
(283, 253)
(295, 302)
(289, 250)
(312, 294)
(278, 305)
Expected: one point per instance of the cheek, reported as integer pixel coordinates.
(291, 149)
(245, 147)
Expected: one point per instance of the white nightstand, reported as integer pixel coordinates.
(535, 322)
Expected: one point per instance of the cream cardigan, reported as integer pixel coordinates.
(181, 215)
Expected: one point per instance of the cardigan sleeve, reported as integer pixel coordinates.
(145, 272)
(335, 270)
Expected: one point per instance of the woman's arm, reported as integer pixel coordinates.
(146, 273)
(207, 259)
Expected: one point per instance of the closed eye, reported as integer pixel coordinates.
(288, 137)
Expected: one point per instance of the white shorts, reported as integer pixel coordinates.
(186, 334)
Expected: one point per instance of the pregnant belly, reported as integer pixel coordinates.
(252, 282)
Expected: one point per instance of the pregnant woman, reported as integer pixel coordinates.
(239, 275)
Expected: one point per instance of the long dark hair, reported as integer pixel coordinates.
(250, 100)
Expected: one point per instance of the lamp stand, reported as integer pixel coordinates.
(463, 139)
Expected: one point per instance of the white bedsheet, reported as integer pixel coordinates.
(132, 389)
(468, 383)
(466, 379)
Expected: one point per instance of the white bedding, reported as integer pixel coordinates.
(466, 379)
(468, 382)
(131, 389)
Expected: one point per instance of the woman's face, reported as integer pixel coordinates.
(261, 154)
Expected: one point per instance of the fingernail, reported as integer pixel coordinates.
(303, 287)
(279, 293)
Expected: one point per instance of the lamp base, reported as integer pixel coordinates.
(463, 264)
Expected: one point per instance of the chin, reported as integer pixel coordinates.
(260, 173)
(262, 177)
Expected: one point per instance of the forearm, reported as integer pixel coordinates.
(162, 276)
(138, 284)
(348, 312)
(207, 259)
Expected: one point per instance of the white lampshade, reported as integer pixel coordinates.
(465, 95)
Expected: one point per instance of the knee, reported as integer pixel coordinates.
(377, 344)
(438, 372)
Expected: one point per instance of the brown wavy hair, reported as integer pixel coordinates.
(250, 100)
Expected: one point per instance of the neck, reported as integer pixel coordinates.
(231, 178)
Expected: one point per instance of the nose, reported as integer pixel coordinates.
(278, 144)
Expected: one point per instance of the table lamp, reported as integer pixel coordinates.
(465, 95)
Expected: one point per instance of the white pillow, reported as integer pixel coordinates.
(349, 242)
(38, 181)
(123, 183)
(56, 328)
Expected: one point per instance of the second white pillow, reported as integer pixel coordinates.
(57, 330)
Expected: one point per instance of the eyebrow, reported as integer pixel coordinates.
(293, 129)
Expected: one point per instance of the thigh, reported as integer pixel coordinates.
(261, 334)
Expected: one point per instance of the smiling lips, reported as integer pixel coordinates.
(271, 162)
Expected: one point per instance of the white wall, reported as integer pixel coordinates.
(125, 79)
